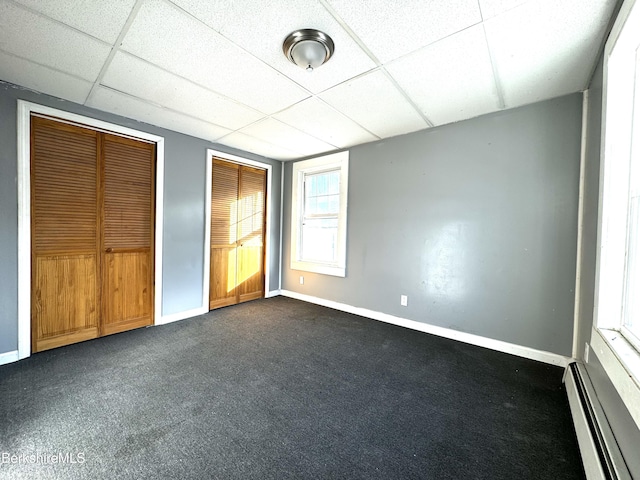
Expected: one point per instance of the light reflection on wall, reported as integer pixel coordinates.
(445, 262)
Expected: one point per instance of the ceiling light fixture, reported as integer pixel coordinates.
(308, 48)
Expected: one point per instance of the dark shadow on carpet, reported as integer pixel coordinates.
(278, 389)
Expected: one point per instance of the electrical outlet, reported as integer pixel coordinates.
(404, 300)
(301, 280)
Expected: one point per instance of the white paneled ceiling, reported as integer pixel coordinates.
(320, 120)
(215, 69)
(462, 89)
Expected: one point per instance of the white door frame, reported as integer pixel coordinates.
(25, 109)
(207, 229)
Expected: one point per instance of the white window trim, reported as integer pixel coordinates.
(337, 160)
(619, 358)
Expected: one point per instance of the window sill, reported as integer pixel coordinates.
(621, 361)
(324, 269)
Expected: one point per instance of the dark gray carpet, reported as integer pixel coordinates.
(283, 389)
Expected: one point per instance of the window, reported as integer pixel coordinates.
(631, 306)
(319, 214)
(616, 336)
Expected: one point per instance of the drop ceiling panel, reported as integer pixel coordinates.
(41, 40)
(450, 80)
(136, 77)
(130, 107)
(259, 147)
(43, 79)
(262, 35)
(277, 133)
(491, 8)
(391, 29)
(320, 120)
(557, 54)
(209, 67)
(103, 20)
(165, 35)
(372, 100)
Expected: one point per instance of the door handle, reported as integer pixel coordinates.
(108, 250)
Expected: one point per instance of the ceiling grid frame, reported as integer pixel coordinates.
(372, 98)
(371, 55)
(115, 48)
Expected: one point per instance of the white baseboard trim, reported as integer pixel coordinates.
(9, 357)
(498, 345)
(174, 317)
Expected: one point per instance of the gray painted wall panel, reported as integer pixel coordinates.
(184, 204)
(8, 224)
(475, 221)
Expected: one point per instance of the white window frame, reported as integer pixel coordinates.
(300, 169)
(617, 355)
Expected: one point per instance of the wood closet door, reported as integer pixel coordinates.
(127, 240)
(224, 234)
(237, 234)
(92, 233)
(64, 235)
(251, 222)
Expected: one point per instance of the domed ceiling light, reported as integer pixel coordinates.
(308, 48)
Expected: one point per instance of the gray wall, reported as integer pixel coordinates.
(8, 224)
(619, 418)
(475, 221)
(184, 207)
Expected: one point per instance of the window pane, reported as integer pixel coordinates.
(322, 193)
(312, 184)
(334, 203)
(319, 240)
(324, 183)
(632, 293)
(310, 205)
(632, 280)
(333, 180)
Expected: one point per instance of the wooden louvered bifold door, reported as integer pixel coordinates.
(64, 235)
(237, 234)
(250, 281)
(127, 240)
(224, 225)
(92, 233)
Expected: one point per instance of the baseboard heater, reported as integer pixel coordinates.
(601, 456)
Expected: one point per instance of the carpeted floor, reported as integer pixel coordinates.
(279, 389)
